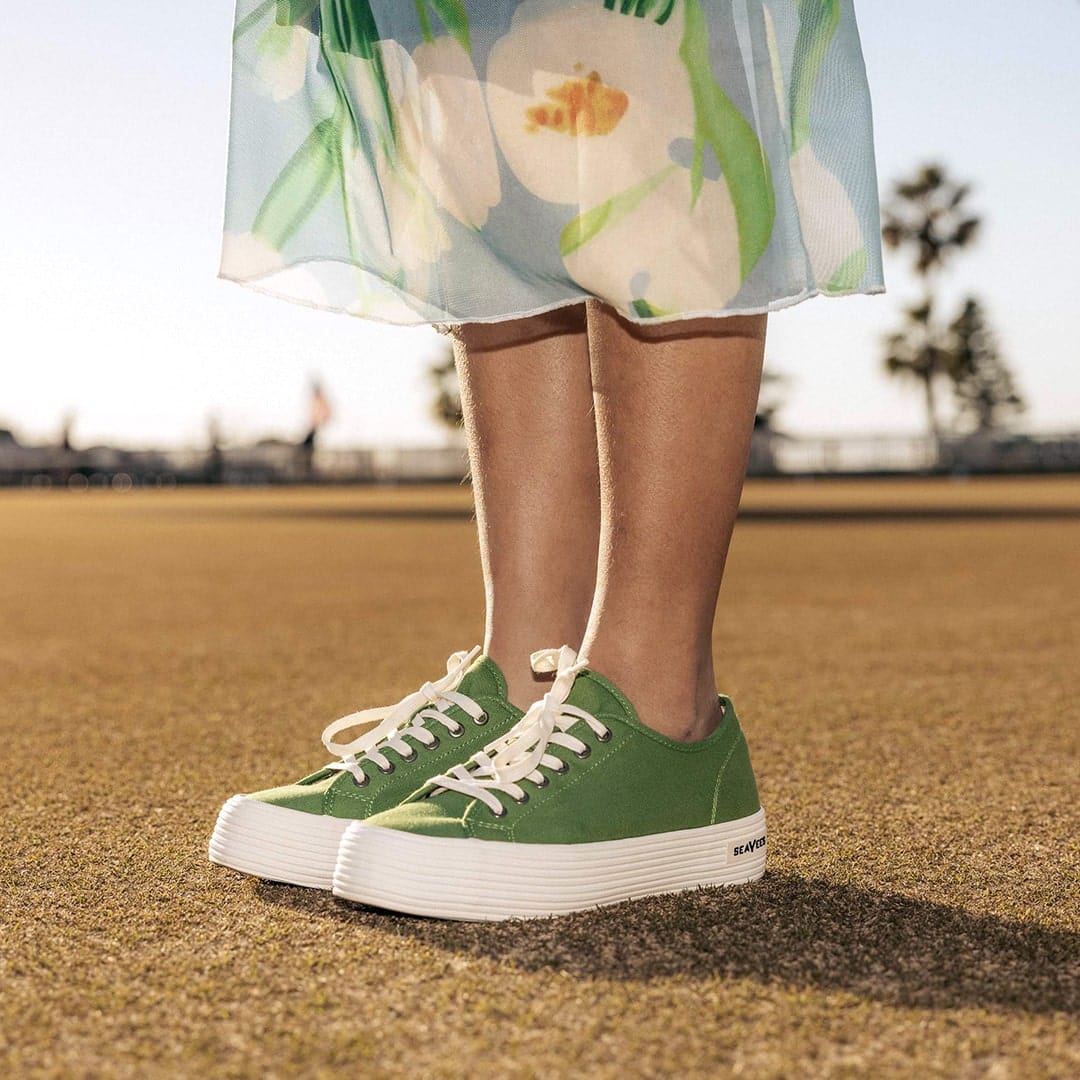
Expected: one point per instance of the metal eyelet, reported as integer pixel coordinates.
(583, 754)
(542, 782)
(481, 719)
(411, 756)
(361, 783)
(387, 771)
(523, 800)
(456, 733)
(434, 744)
(606, 737)
(501, 813)
(565, 768)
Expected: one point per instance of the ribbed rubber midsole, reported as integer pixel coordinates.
(494, 879)
(276, 842)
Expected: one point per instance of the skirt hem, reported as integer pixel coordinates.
(776, 304)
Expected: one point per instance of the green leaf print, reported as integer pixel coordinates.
(286, 13)
(294, 12)
(718, 123)
(349, 27)
(818, 20)
(641, 8)
(253, 18)
(849, 273)
(644, 310)
(304, 182)
(734, 142)
(585, 226)
(453, 15)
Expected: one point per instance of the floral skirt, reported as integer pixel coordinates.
(449, 161)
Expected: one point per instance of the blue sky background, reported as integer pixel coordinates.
(112, 185)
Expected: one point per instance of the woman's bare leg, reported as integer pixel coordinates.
(675, 409)
(527, 397)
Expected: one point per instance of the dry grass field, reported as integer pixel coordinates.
(905, 657)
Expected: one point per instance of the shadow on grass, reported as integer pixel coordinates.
(783, 931)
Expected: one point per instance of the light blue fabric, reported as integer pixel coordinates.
(447, 161)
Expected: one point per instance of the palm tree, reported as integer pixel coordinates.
(927, 216)
(985, 393)
(919, 352)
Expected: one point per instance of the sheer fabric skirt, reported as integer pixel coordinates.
(448, 161)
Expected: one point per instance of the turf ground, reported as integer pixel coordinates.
(904, 657)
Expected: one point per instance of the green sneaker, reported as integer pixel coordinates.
(579, 805)
(291, 833)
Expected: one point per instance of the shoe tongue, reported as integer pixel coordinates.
(483, 679)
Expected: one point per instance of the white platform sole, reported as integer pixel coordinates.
(276, 843)
(479, 880)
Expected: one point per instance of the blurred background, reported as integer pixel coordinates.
(125, 361)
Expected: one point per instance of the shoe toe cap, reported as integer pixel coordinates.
(425, 817)
(307, 798)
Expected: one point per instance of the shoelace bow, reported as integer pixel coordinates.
(522, 751)
(407, 718)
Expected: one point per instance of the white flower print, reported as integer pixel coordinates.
(830, 227)
(438, 108)
(248, 257)
(580, 98)
(245, 255)
(650, 250)
(281, 67)
(683, 261)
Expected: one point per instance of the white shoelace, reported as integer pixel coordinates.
(521, 752)
(407, 718)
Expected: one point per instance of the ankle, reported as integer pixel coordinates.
(684, 717)
(704, 721)
(681, 703)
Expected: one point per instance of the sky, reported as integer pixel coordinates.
(112, 180)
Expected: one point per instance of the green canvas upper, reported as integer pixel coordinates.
(336, 792)
(634, 782)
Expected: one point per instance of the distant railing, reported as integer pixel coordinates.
(771, 454)
(850, 455)
(394, 464)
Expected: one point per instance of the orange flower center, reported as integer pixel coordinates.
(582, 106)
